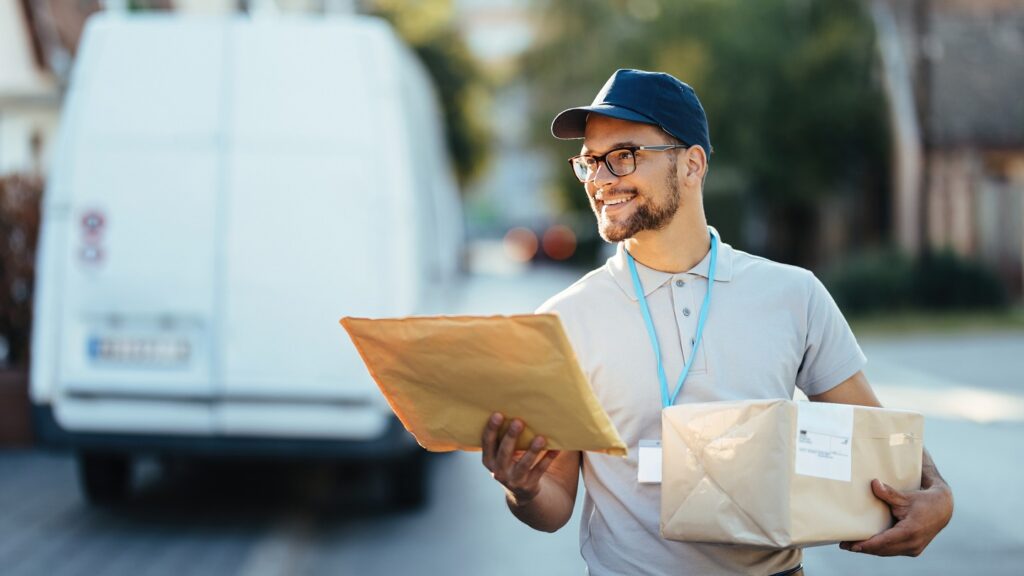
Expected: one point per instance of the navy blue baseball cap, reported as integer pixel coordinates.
(647, 97)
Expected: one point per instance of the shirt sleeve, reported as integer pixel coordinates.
(831, 353)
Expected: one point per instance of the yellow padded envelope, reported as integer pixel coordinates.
(445, 375)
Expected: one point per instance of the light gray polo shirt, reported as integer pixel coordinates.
(770, 327)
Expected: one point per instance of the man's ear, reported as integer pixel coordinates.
(696, 163)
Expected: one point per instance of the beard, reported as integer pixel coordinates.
(647, 215)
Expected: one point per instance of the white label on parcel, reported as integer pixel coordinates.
(824, 436)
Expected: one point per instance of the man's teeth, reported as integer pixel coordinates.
(617, 201)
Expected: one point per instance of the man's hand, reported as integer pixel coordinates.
(540, 485)
(919, 514)
(519, 472)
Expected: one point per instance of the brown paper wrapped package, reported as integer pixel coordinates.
(445, 375)
(728, 475)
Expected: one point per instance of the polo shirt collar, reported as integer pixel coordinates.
(652, 279)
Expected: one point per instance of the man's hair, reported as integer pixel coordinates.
(672, 139)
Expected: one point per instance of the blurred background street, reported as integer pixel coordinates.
(316, 518)
(192, 192)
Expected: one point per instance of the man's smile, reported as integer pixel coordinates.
(615, 203)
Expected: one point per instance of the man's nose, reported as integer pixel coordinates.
(603, 176)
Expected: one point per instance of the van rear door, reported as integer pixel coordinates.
(313, 230)
(138, 302)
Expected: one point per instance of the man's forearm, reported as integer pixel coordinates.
(930, 476)
(548, 511)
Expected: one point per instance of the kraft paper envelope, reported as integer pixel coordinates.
(780, 474)
(445, 375)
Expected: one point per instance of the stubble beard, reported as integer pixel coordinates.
(646, 216)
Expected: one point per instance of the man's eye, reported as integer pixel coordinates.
(623, 154)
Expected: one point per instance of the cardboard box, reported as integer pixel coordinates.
(780, 474)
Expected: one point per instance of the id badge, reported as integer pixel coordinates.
(649, 462)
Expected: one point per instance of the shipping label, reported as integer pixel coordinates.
(824, 439)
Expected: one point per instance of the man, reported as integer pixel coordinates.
(769, 327)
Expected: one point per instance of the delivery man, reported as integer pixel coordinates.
(771, 327)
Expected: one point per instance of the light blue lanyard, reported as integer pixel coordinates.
(667, 400)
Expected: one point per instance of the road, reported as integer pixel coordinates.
(271, 519)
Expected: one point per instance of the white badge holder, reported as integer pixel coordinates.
(649, 462)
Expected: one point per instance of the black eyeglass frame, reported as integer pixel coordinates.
(603, 158)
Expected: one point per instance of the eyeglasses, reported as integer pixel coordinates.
(620, 162)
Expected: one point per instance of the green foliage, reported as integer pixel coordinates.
(789, 86)
(945, 281)
(879, 280)
(462, 87)
(885, 281)
(463, 95)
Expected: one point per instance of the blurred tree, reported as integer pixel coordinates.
(143, 5)
(462, 86)
(796, 112)
(19, 229)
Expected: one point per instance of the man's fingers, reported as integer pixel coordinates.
(888, 494)
(525, 463)
(488, 440)
(543, 465)
(891, 542)
(508, 443)
(917, 523)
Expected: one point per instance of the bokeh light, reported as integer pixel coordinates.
(559, 242)
(520, 244)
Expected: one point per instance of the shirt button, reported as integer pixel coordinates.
(680, 283)
(686, 311)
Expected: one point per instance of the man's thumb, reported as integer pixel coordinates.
(888, 494)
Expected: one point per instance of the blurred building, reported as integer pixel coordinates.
(29, 89)
(38, 40)
(955, 74)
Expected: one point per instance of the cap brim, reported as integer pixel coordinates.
(572, 123)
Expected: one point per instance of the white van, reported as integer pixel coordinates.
(222, 192)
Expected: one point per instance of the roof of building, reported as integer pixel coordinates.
(977, 79)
